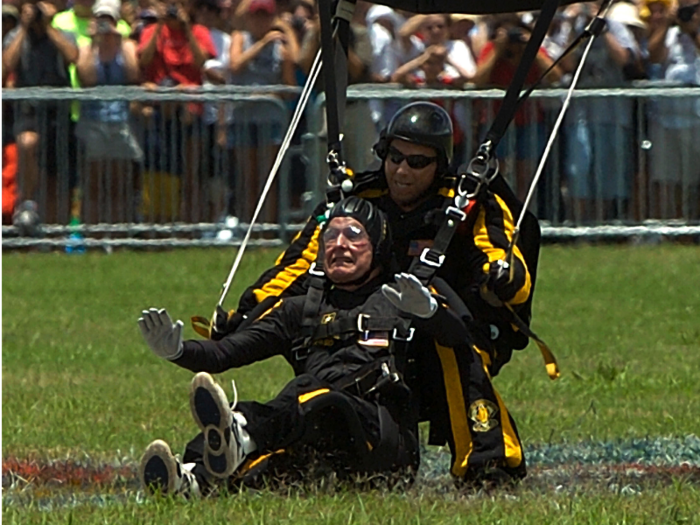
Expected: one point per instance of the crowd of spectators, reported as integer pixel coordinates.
(182, 43)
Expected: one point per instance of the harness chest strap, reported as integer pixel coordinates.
(363, 323)
(431, 259)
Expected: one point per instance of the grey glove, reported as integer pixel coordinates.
(162, 335)
(410, 296)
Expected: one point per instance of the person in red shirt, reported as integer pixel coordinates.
(172, 52)
(496, 67)
(174, 48)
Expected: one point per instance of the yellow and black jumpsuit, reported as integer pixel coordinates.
(455, 387)
(335, 406)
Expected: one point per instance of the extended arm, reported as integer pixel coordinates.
(270, 335)
(67, 48)
(149, 44)
(241, 58)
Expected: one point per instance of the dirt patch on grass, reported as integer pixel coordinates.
(574, 468)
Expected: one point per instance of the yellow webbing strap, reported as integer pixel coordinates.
(550, 362)
(201, 325)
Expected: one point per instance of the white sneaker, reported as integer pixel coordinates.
(226, 442)
(161, 472)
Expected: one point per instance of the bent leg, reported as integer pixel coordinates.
(352, 434)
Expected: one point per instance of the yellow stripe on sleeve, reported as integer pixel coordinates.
(494, 253)
(283, 280)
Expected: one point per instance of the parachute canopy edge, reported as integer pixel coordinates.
(472, 7)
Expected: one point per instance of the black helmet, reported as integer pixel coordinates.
(375, 222)
(422, 123)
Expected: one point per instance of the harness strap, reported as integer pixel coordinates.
(362, 323)
(431, 259)
(314, 296)
(550, 362)
(362, 381)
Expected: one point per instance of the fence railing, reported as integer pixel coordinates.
(130, 167)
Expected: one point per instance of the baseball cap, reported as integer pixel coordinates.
(268, 6)
(108, 8)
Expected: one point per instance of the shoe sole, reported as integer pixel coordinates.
(212, 413)
(158, 469)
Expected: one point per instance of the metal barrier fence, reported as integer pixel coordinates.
(141, 168)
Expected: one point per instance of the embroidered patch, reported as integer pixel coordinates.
(483, 413)
(415, 248)
(327, 318)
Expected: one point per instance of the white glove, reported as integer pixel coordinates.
(411, 296)
(161, 335)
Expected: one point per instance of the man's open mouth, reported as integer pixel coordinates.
(341, 259)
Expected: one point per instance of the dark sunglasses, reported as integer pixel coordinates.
(353, 234)
(415, 162)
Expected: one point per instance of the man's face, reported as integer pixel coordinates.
(407, 185)
(348, 254)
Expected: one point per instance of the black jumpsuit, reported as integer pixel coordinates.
(356, 433)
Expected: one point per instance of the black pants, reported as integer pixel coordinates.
(311, 426)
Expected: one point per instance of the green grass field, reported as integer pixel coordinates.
(80, 387)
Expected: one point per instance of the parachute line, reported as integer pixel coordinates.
(296, 117)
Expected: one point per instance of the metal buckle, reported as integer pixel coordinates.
(360, 322)
(451, 210)
(396, 337)
(314, 272)
(436, 264)
(301, 353)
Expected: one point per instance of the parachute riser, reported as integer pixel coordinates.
(484, 167)
(335, 31)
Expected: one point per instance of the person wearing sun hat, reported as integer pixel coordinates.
(76, 21)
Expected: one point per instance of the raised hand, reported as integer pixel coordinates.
(409, 295)
(162, 335)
